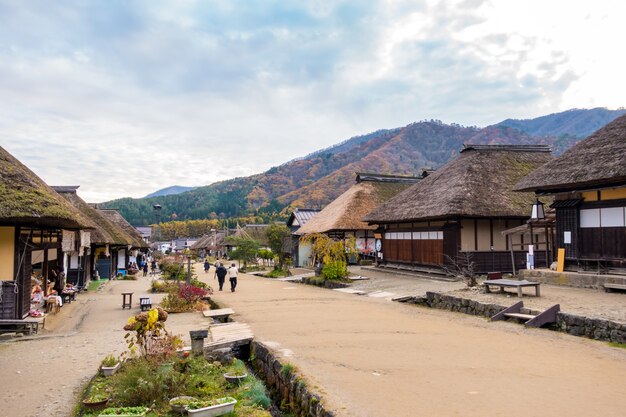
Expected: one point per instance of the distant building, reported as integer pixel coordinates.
(300, 253)
(145, 232)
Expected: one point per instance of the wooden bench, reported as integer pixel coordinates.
(608, 287)
(221, 314)
(225, 335)
(29, 326)
(502, 283)
(145, 303)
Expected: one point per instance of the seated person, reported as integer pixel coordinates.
(36, 295)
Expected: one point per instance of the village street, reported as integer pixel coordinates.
(367, 356)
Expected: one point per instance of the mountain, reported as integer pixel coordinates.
(174, 189)
(578, 123)
(318, 178)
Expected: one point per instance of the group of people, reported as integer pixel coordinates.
(221, 271)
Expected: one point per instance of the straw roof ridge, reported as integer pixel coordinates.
(347, 210)
(114, 216)
(599, 160)
(478, 183)
(104, 232)
(28, 200)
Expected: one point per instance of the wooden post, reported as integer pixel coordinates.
(512, 253)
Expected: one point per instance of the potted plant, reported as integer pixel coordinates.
(236, 377)
(211, 408)
(123, 412)
(95, 400)
(180, 404)
(109, 365)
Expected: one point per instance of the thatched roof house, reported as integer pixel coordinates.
(596, 162)
(32, 216)
(27, 200)
(589, 187)
(346, 212)
(479, 183)
(103, 232)
(461, 207)
(114, 216)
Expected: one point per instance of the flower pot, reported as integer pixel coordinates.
(180, 408)
(234, 378)
(95, 404)
(226, 406)
(110, 370)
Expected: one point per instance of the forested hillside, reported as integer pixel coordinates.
(317, 179)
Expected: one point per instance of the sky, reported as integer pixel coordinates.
(127, 97)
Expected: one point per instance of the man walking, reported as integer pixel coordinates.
(220, 271)
(232, 271)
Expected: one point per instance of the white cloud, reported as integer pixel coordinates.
(126, 99)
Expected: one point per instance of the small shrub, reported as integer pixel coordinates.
(277, 273)
(335, 270)
(287, 369)
(257, 395)
(109, 361)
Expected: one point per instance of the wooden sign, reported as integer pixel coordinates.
(560, 260)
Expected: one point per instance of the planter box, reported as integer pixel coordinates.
(180, 408)
(110, 370)
(214, 410)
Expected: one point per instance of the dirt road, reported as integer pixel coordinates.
(367, 356)
(371, 357)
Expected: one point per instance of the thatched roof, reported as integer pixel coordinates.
(26, 200)
(117, 219)
(104, 231)
(598, 161)
(478, 183)
(209, 241)
(347, 210)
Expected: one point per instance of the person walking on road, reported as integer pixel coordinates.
(232, 271)
(220, 271)
(207, 265)
(144, 268)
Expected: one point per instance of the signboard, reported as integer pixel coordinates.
(379, 245)
(567, 237)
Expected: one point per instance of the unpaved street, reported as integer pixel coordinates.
(366, 355)
(371, 357)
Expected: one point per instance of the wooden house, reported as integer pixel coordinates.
(460, 210)
(300, 252)
(588, 183)
(136, 250)
(343, 216)
(35, 223)
(100, 254)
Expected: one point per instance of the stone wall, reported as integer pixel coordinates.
(598, 329)
(324, 284)
(285, 386)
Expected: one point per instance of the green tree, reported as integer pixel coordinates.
(276, 235)
(246, 249)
